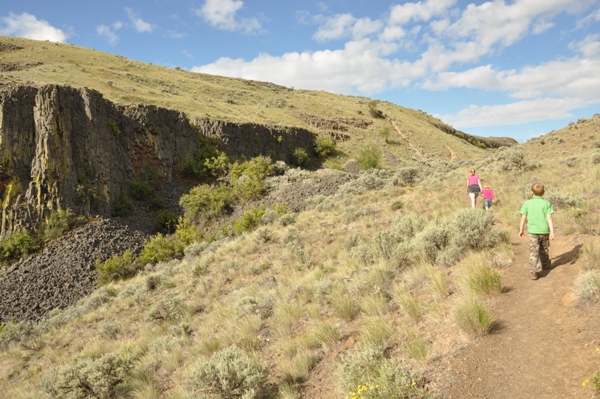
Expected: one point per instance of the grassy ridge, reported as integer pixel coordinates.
(200, 95)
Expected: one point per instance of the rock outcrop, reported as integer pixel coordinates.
(69, 148)
(252, 139)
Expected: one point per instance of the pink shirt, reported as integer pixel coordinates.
(473, 180)
(488, 194)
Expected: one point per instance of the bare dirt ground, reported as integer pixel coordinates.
(544, 344)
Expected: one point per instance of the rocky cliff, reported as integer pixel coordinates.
(68, 148)
(252, 139)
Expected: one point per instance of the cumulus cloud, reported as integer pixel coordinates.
(139, 24)
(357, 68)
(422, 11)
(514, 113)
(28, 26)
(222, 15)
(344, 26)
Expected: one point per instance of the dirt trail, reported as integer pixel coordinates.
(544, 345)
(412, 146)
(452, 153)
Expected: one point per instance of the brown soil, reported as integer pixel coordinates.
(544, 344)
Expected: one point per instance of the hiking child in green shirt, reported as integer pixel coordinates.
(537, 212)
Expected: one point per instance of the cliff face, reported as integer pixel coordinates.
(251, 139)
(69, 148)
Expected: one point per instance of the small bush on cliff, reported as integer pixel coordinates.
(300, 156)
(324, 145)
(373, 111)
(19, 244)
(58, 223)
(228, 374)
(207, 161)
(165, 221)
(123, 206)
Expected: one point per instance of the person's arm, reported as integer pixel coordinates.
(522, 227)
(467, 185)
(479, 183)
(551, 225)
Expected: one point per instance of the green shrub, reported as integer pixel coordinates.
(595, 157)
(167, 309)
(368, 366)
(160, 249)
(207, 161)
(324, 145)
(112, 125)
(140, 189)
(408, 225)
(373, 111)
(58, 223)
(165, 221)
(17, 245)
(369, 158)
(511, 159)
(300, 156)
(384, 243)
(564, 201)
(249, 220)
(207, 202)
(587, 284)
(116, 268)
(385, 133)
(229, 374)
(123, 206)
(100, 378)
(473, 230)
(473, 317)
(27, 334)
(434, 238)
(248, 178)
(397, 205)
(590, 255)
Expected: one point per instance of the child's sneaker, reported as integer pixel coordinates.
(533, 275)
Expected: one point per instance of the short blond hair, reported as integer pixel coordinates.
(537, 189)
(487, 186)
(472, 171)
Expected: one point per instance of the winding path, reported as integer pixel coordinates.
(544, 345)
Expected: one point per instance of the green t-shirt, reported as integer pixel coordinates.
(537, 210)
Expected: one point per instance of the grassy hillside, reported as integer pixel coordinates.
(373, 287)
(29, 62)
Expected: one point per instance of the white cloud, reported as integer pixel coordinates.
(139, 24)
(514, 113)
(358, 68)
(29, 27)
(222, 15)
(107, 33)
(416, 12)
(173, 34)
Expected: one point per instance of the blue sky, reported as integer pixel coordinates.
(500, 68)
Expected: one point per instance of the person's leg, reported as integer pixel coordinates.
(545, 251)
(534, 255)
(472, 196)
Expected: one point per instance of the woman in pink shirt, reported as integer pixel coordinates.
(473, 187)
